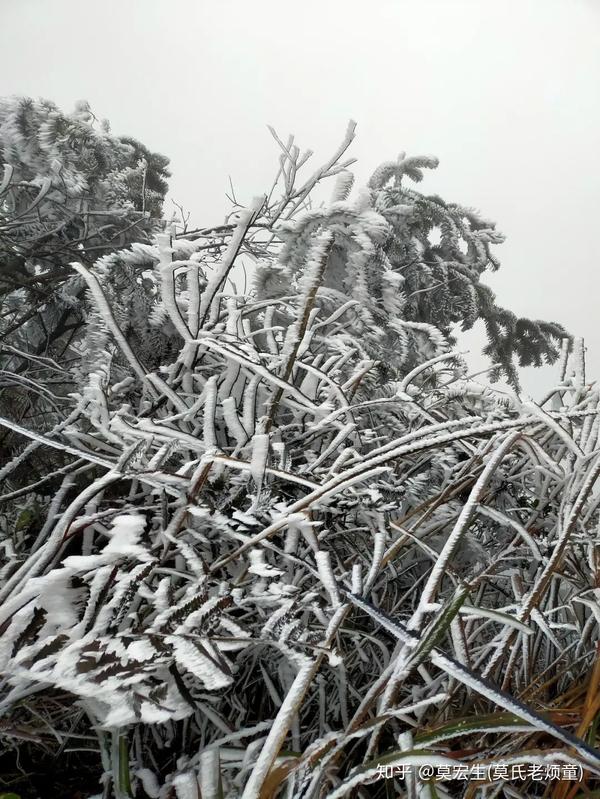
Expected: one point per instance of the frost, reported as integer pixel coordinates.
(257, 506)
(258, 565)
(125, 535)
(201, 665)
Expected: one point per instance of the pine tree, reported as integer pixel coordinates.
(70, 190)
(414, 264)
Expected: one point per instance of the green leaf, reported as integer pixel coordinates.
(24, 520)
(492, 722)
(439, 626)
(496, 615)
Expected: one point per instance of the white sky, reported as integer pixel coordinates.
(504, 92)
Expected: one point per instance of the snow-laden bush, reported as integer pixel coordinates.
(292, 540)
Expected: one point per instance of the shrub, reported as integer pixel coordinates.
(292, 542)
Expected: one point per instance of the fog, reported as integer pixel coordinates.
(504, 93)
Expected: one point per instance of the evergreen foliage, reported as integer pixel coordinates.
(289, 537)
(69, 190)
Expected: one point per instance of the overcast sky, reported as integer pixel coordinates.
(504, 92)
